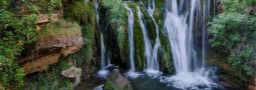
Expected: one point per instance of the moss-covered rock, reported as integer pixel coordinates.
(114, 27)
(166, 54)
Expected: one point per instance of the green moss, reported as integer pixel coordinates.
(166, 55)
(109, 85)
(85, 55)
(139, 45)
(84, 13)
(62, 31)
(81, 12)
(116, 16)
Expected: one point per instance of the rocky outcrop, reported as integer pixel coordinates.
(69, 50)
(62, 38)
(38, 64)
(120, 81)
(229, 77)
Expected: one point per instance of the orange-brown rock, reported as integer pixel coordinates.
(39, 64)
(69, 50)
(252, 87)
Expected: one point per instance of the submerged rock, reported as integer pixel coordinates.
(121, 82)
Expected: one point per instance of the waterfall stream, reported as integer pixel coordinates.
(131, 73)
(103, 72)
(153, 63)
(190, 71)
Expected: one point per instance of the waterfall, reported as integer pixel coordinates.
(130, 35)
(102, 52)
(96, 6)
(190, 70)
(131, 72)
(152, 63)
(103, 73)
(148, 47)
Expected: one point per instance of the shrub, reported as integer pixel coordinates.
(234, 33)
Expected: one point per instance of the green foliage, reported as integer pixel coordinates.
(234, 33)
(42, 6)
(4, 4)
(68, 33)
(14, 34)
(85, 55)
(116, 16)
(10, 72)
(84, 13)
(116, 13)
(109, 85)
(237, 5)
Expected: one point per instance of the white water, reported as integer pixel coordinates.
(131, 73)
(103, 72)
(96, 6)
(102, 52)
(152, 63)
(190, 71)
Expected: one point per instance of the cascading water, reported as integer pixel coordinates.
(190, 71)
(152, 63)
(103, 72)
(148, 48)
(131, 72)
(102, 52)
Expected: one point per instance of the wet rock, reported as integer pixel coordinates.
(121, 82)
(100, 87)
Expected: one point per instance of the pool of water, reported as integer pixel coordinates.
(145, 82)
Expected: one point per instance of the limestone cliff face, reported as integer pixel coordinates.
(54, 40)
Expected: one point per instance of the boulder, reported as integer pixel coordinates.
(73, 72)
(121, 82)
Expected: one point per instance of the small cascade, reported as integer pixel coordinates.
(103, 66)
(96, 6)
(102, 52)
(131, 72)
(103, 71)
(190, 70)
(152, 64)
(148, 48)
